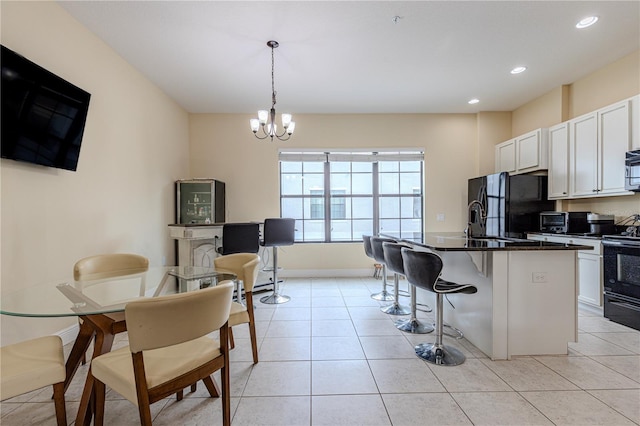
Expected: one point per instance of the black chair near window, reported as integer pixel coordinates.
(277, 232)
(240, 238)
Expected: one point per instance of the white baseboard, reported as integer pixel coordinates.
(590, 308)
(69, 334)
(325, 273)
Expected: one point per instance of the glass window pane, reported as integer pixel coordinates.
(291, 167)
(410, 166)
(313, 230)
(389, 225)
(291, 184)
(341, 182)
(362, 227)
(312, 182)
(313, 167)
(362, 207)
(409, 182)
(292, 207)
(389, 207)
(340, 166)
(411, 207)
(362, 183)
(388, 166)
(411, 225)
(340, 230)
(361, 167)
(389, 183)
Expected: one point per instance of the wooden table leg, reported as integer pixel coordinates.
(105, 329)
(79, 348)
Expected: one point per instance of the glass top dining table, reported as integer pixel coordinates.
(101, 303)
(107, 295)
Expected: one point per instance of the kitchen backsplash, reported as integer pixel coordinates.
(621, 207)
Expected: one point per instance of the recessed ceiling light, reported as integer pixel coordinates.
(518, 70)
(587, 22)
(474, 101)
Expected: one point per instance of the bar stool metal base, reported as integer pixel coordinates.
(413, 326)
(383, 296)
(396, 309)
(275, 299)
(439, 354)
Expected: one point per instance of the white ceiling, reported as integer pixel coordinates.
(351, 57)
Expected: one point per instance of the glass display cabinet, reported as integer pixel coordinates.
(200, 201)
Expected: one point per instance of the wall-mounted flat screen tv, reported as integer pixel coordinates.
(43, 115)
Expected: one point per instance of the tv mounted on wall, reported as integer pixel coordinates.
(43, 115)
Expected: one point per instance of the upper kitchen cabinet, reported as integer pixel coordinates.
(506, 156)
(523, 154)
(597, 145)
(559, 161)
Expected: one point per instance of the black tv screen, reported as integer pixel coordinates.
(43, 115)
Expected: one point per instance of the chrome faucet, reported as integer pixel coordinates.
(483, 216)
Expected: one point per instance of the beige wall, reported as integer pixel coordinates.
(492, 127)
(223, 147)
(544, 111)
(121, 198)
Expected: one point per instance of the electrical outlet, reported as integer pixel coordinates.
(539, 277)
(440, 217)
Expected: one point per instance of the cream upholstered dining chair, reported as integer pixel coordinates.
(245, 266)
(169, 350)
(31, 365)
(110, 265)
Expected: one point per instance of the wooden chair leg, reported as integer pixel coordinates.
(179, 395)
(226, 392)
(194, 387)
(58, 398)
(99, 389)
(254, 341)
(231, 342)
(212, 387)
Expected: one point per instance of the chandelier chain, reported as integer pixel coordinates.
(273, 86)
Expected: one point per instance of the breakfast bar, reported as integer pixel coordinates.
(526, 302)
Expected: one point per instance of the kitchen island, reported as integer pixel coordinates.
(526, 302)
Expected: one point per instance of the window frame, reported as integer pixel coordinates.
(374, 157)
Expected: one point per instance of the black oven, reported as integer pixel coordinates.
(622, 280)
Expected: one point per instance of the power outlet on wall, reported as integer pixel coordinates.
(440, 217)
(539, 277)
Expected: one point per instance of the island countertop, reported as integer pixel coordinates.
(457, 241)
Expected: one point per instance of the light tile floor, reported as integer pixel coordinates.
(330, 357)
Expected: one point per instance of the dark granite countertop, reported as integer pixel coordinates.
(457, 241)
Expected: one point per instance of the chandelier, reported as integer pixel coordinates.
(266, 121)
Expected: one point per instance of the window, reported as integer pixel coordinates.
(340, 196)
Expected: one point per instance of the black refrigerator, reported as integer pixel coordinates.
(508, 206)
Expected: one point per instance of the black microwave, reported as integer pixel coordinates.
(632, 171)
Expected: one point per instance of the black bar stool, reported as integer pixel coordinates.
(240, 238)
(423, 270)
(393, 260)
(393, 254)
(277, 232)
(378, 255)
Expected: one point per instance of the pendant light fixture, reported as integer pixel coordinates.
(266, 121)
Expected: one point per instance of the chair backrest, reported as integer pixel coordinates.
(393, 256)
(163, 321)
(421, 268)
(109, 265)
(366, 240)
(244, 265)
(376, 247)
(240, 238)
(279, 232)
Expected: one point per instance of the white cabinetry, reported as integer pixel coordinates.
(597, 144)
(590, 271)
(523, 154)
(559, 161)
(506, 156)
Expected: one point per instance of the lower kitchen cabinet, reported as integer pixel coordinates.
(590, 269)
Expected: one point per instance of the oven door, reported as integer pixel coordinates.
(622, 267)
